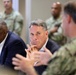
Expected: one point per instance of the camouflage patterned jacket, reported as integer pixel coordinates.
(64, 61)
(14, 21)
(56, 36)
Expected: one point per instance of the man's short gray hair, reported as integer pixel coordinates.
(38, 22)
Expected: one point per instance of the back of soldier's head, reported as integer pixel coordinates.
(70, 9)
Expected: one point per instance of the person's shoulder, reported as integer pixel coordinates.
(2, 14)
(64, 57)
(13, 36)
(16, 13)
(59, 20)
(52, 42)
(67, 50)
(71, 46)
(49, 19)
(52, 46)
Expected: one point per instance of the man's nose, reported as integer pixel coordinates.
(35, 37)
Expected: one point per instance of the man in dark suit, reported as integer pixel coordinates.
(39, 37)
(10, 45)
(39, 40)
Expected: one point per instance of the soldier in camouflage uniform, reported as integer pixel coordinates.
(13, 18)
(63, 62)
(54, 24)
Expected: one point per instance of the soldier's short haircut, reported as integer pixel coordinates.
(70, 8)
(38, 22)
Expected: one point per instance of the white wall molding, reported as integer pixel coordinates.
(28, 17)
(16, 5)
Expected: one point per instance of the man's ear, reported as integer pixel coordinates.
(46, 32)
(68, 18)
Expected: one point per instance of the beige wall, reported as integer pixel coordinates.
(41, 8)
(1, 6)
(22, 11)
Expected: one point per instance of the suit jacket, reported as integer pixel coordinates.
(13, 45)
(52, 46)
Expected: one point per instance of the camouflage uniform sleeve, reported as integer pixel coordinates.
(63, 62)
(18, 24)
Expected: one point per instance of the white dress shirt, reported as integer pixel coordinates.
(42, 49)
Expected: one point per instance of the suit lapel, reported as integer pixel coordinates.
(4, 50)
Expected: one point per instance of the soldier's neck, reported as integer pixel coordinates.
(8, 11)
(56, 17)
